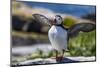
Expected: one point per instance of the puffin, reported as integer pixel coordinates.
(59, 35)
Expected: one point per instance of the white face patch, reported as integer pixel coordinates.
(58, 19)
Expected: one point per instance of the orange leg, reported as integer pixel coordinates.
(57, 58)
(60, 57)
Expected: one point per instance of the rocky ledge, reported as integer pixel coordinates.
(41, 61)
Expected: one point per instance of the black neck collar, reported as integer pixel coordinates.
(58, 25)
(61, 26)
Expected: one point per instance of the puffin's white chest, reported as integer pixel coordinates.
(58, 37)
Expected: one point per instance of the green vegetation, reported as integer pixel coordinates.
(69, 22)
(83, 45)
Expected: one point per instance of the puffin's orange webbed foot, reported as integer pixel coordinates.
(59, 58)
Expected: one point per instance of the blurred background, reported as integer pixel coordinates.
(30, 39)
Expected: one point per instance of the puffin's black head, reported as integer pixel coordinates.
(58, 20)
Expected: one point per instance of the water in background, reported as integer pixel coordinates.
(75, 10)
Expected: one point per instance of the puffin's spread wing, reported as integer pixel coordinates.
(41, 18)
(84, 27)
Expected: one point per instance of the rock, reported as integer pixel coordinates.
(40, 61)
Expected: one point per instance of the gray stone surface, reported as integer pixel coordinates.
(40, 61)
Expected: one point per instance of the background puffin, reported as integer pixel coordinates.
(59, 35)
